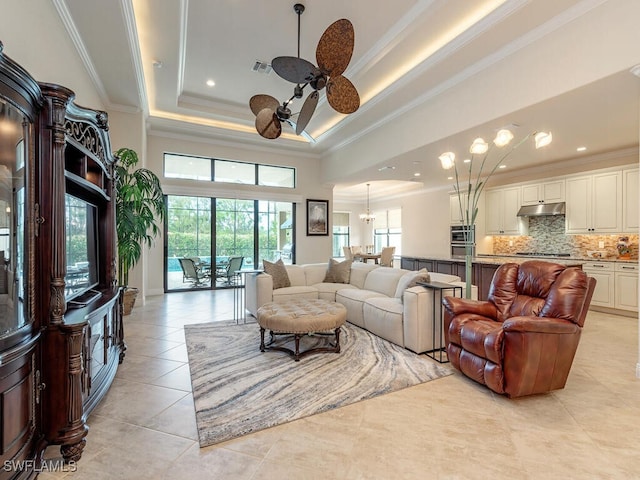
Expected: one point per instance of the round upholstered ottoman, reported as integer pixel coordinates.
(298, 318)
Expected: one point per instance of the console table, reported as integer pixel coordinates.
(440, 289)
(239, 295)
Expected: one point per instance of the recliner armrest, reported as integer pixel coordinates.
(457, 306)
(540, 325)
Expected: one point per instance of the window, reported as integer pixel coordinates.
(182, 166)
(340, 233)
(387, 230)
(227, 171)
(234, 172)
(276, 176)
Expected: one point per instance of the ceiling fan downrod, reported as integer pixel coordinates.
(299, 9)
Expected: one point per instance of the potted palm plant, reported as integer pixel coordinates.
(139, 212)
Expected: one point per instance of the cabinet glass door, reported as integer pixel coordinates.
(13, 161)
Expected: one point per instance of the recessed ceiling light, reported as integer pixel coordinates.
(157, 64)
(581, 149)
(388, 167)
(449, 178)
(211, 83)
(502, 166)
(466, 160)
(417, 174)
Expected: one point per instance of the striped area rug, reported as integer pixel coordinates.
(238, 390)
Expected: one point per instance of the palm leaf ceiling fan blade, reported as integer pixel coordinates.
(267, 124)
(306, 112)
(342, 95)
(336, 47)
(260, 102)
(294, 69)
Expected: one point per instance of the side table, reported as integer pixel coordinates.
(239, 296)
(439, 351)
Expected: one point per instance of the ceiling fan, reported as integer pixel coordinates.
(332, 55)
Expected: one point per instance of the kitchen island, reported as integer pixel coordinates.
(484, 266)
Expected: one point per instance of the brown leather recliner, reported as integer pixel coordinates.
(523, 338)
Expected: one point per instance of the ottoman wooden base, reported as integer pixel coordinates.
(298, 318)
(296, 353)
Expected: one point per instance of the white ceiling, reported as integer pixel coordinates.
(402, 48)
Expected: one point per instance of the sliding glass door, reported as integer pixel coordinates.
(241, 233)
(188, 243)
(275, 231)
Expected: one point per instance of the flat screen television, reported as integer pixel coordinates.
(81, 220)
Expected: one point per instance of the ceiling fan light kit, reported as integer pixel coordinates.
(333, 55)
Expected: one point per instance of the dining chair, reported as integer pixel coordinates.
(386, 256)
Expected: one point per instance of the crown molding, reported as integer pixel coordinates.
(76, 39)
(180, 130)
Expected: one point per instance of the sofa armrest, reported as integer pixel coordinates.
(457, 306)
(258, 291)
(539, 325)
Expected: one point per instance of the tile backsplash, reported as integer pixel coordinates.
(546, 235)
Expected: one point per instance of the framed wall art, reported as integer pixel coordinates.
(317, 217)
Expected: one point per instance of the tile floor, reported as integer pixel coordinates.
(449, 428)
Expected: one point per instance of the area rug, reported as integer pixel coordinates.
(238, 390)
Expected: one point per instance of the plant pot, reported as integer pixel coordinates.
(129, 299)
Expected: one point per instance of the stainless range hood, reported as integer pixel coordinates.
(542, 209)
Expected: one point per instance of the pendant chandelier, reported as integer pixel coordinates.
(367, 217)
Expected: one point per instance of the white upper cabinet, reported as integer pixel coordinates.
(457, 216)
(630, 204)
(594, 203)
(547, 192)
(501, 209)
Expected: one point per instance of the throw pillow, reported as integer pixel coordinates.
(338, 272)
(279, 273)
(411, 279)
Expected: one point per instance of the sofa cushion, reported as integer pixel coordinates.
(314, 273)
(353, 299)
(293, 293)
(297, 275)
(384, 280)
(327, 291)
(279, 273)
(411, 279)
(383, 316)
(338, 272)
(359, 272)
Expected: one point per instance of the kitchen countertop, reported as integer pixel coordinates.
(494, 259)
(561, 260)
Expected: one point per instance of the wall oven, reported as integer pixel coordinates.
(458, 241)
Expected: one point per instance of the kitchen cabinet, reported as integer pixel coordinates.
(501, 208)
(630, 214)
(457, 216)
(626, 286)
(547, 192)
(594, 203)
(603, 272)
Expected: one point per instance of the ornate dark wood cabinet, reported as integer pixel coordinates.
(61, 331)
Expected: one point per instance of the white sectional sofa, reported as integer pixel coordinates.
(374, 298)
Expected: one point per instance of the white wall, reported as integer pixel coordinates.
(34, 36)
(128, 130)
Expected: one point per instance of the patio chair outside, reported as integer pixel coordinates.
(229, 276)
(191, 274)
